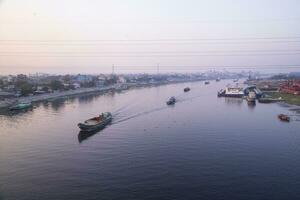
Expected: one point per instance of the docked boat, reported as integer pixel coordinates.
(232, 91)
(283, 117)
(20, 106)
(269, 100)
(221, 93)
(251, 97)
(206, 82)
(187, 89)
(171, 101)
(96, 123)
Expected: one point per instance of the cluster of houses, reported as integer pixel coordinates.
(291, 87)
(12, 86)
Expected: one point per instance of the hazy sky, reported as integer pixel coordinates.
(89, 36)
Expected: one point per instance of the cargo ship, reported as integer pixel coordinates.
(232, 91)
(96, 123)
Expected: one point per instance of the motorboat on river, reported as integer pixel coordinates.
(171, 101)
(187, 89)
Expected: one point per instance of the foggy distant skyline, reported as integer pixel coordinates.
(77, 36)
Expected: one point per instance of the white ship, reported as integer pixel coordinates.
(232, 91)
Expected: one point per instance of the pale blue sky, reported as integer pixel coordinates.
(58, 36)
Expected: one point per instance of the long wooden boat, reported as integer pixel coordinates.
(96, 123)
(20, 106)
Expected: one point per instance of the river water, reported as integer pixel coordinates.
(204, 147)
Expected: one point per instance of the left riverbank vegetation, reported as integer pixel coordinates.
(21, 85)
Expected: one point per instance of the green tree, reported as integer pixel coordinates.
(56, 85)
(26, 89)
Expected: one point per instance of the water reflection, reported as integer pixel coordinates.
(251, 104)
(83, 135)
(233, 101)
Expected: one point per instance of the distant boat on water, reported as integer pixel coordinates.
(187, 89)
(171, 101)
(251, 97)
(284, 117)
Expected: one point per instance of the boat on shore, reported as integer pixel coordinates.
(187, 89)
(284, 117)
(96, 123)
(269, 100)
(20, 106)
(171, 101)
(206, 82)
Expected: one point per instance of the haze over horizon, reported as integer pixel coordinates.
(136, 35)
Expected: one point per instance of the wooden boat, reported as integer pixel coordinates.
(96, 123)
(171, 101)
(283, 117)
(21, 106)
(268, 100)
(251, 97)
(187, 89)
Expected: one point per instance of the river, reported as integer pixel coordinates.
(204, 147)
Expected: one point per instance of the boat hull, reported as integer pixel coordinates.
(233, 95)
(90, 128)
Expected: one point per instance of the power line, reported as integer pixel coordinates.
(160, 40)
(150, 52)
(154, 55)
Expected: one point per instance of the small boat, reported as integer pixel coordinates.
(20, 106)
(218, 79)
(171, 101)
(235, 80)
(269, 100)
(283, 117)
(187, 89)
(251, 97)
(96, 123)
(206, 82)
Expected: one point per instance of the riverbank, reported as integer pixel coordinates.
(82, 91)
(287, 98)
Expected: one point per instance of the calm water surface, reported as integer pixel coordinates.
(204, 147)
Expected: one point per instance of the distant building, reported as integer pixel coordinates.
(291, 87)
(84, 78)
